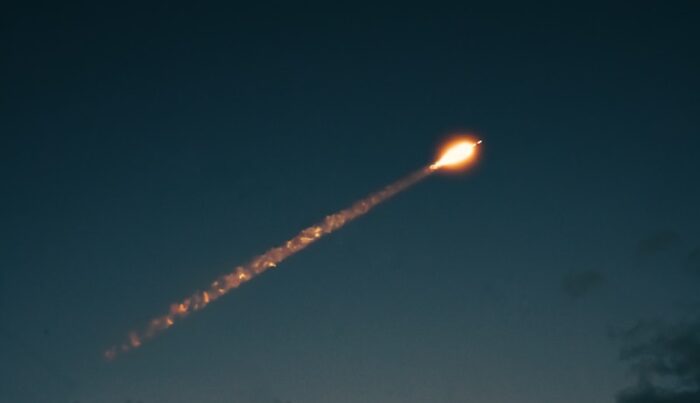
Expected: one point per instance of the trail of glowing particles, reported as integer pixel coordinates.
(455, 155)
(262, 263)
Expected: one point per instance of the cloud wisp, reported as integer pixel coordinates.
(581, 284)
(666, 361)
(658, 242)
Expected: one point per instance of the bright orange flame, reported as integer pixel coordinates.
(456, 154)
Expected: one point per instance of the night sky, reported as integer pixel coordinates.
(147, 149)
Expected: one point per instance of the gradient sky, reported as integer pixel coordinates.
(148, 149)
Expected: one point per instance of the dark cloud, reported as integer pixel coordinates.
(580, 284)
(666, 360)
(657, 242)
(654, 395)
(693, 260)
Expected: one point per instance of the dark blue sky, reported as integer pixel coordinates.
(148, 149)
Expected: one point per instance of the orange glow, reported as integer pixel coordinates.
(241, 274)
(134, 339)
(456, 154)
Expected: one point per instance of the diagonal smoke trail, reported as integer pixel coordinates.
(260, 264)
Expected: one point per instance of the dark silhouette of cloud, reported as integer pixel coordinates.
(652, 395)
(666, 361)
(580, 284)
(658, 242)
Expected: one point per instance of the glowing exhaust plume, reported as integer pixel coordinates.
(227, 282)
(456, 154)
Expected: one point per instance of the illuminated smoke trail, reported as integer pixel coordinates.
(455, 155)
(260, 264)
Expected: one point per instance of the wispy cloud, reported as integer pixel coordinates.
(581, 284)
(666, 360)
(658, 242)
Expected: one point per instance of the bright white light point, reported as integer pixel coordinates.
(456, 154)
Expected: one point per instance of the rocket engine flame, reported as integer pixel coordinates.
(456, 154)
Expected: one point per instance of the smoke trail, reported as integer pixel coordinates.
(262, 263)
